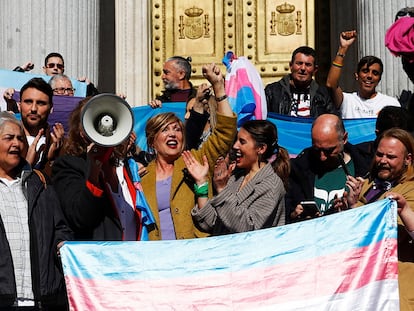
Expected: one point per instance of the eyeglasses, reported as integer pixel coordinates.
(326, 151)
(53, 65)
(62, 90)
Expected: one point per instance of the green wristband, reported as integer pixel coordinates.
(201, 191)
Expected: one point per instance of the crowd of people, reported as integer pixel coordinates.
(201, 176)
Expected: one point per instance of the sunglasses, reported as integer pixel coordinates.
(326, 151)
(53, 65)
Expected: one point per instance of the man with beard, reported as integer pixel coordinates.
(392, 175)
(319, 173)
(176, 74)
(35, 106)
(366, 102)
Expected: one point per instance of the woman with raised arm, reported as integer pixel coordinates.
(167, 186)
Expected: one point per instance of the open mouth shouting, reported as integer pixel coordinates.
(172, 143)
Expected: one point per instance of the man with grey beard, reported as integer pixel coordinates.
(176, 74)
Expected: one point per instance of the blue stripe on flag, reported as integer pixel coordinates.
(360, 227)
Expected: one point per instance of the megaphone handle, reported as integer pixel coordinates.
(105, 157)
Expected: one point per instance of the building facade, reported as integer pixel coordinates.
(120, 45)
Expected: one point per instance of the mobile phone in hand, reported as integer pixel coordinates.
(310, 209)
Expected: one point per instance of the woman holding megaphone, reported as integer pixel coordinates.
(93, 177)
(168, 186)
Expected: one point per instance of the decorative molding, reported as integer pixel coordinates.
(207, 30)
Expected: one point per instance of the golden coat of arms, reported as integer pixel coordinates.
(194, 25)
(286, 22)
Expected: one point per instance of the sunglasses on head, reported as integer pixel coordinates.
(53, 65)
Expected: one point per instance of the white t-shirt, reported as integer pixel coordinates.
(355, 107)
(40, 143)
(125, 206)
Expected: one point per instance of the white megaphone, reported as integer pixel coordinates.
(107, 120)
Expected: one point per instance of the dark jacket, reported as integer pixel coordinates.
(279, 98)
(44, 164)
(305, 167)
(165, 97)
(47, 228)
(90, 217)
(194, 127)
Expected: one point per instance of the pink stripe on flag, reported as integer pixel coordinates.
(340, 273)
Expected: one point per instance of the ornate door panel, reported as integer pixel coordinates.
(265, 31)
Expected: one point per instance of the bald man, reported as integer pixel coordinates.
(319, 172)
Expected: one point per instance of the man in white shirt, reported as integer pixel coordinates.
(367, 101)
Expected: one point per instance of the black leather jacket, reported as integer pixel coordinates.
(279, 98)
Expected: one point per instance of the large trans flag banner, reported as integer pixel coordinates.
(345, 261)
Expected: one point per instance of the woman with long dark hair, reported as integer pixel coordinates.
(254, 196)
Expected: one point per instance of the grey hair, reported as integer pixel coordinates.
(6, 117)
(182, 63)
(58, 77)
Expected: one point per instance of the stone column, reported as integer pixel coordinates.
(132, 50)
(374, 18)
(32, 29)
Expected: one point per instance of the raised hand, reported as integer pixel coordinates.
(32, 155)
(196, 169)
(57, 136)
(347, 38)
(222, 173)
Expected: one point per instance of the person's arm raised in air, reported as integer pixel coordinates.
(346, 39)
(213, 74)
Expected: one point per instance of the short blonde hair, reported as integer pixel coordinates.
(157, 123)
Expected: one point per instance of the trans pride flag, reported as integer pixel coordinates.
(345, 261)
(245, 89)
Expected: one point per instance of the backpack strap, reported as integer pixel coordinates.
(41, 177)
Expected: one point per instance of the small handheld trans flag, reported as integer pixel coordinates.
(147, 219)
